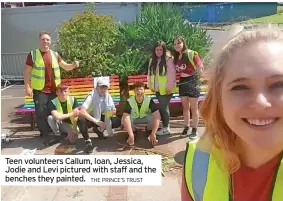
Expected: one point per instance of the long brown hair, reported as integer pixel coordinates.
(176, 54)
(162, 63)
(217, 131)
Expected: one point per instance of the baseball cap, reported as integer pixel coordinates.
(102, 82)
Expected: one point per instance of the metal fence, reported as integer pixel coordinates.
(14, 63)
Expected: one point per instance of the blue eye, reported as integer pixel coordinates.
(239, 87)
(277, 85)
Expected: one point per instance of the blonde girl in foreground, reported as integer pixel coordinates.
(239, 157)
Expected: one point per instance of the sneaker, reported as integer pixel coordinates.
(185, 131)
(163, 131)
(194, 134)
(88, 147)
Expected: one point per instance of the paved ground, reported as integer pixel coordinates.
(23, 138)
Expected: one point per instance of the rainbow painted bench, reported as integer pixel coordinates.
(79, 88)
(175, 99)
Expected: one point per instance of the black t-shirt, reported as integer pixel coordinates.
(52, 107)
(152, 106)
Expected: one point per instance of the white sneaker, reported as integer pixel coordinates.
(163, 131)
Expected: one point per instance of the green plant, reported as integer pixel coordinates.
(91, 39)
(130, 62)
(164, 21)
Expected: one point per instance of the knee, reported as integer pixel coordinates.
(50, 118)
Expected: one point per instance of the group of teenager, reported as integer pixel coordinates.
(57, 110)
(240, 154)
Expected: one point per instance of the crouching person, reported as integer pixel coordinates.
(64, 113)
(141, 109)
(102, 109)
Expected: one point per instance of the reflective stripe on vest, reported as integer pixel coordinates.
(162, 80)
(144, 110)
(191, 55)
(70, 103)
(206, 180)
(38, 69)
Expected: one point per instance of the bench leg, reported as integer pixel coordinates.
(32, 123)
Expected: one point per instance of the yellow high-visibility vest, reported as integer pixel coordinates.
(161, 78)
(207, 180)
(38, 69)
(144, 110)
(70, 103)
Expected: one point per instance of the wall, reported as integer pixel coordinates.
(20, 28)
(224, 12)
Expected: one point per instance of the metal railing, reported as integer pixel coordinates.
(12, 66)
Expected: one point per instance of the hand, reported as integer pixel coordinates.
(169, 91)
(28, 91)
(76, 112)
(131, 140)
(153, 139)
(101, 124)
(76, 64)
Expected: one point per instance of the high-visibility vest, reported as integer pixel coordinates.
(70, 103)
(38, 69)
(144, 110)
(207, 180)
(161, 78)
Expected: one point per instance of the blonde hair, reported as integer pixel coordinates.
(217, 131)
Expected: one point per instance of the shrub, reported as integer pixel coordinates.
(89, 38)
(164, 21)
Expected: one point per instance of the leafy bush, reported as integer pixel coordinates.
(164, 21)
(130, 62)
(89, 38)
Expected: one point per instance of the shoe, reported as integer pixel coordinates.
(194, 134)
(185, 131)
(163, 131)
(88, 147)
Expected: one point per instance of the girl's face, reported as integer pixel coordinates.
(178, 45)
(159, 51)
(252, 94)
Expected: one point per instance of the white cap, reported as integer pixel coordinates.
(102, 82)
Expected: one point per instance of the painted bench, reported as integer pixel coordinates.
(175, 99)
(79, 88)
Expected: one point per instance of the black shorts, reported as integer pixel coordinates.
(189, 86)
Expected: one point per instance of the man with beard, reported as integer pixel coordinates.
(141, 109)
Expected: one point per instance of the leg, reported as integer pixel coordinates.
(186, 114)
(183, 92)
(193, 94)
(53, 125)
(83, 126)
(164, 113)
(42, 112)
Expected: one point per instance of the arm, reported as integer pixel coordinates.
(127, 124)
(27, 72)
(86, 104)
(126, 119)
(59, 116)
(148, 74)
(171, 74)
(199, 65)
(156, 116)
(86, 115)
(185, 195)
(67, 66)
